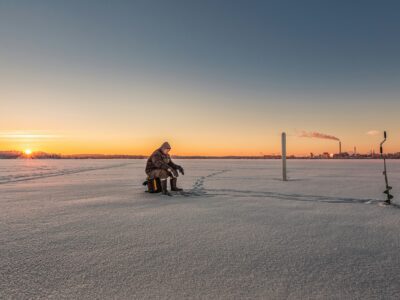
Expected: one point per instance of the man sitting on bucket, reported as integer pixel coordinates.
(159, 165)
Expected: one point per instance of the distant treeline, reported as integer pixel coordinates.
(44, 155)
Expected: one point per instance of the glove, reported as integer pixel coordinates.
(180, 169)
(173, 172)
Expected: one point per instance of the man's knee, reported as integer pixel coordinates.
(158, 173)
(163, 174)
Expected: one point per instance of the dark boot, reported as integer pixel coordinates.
(164, 188)
(173, 185)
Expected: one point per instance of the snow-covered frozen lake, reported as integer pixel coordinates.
(86, 229)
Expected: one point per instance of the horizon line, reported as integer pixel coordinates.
(41, 154)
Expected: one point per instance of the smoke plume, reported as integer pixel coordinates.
(318, 135)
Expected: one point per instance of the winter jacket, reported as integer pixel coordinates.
(159, 160)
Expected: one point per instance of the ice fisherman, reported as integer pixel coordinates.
(159, 165)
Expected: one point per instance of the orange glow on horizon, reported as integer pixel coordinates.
(182, 149)
(200, 144)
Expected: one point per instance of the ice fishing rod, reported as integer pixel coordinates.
(388, 187)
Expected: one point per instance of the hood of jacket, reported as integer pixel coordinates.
(165, 145)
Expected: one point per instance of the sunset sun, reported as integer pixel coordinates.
(28, 151)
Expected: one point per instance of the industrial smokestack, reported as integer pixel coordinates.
(319, 135)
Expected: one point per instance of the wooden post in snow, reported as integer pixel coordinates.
(284, 177)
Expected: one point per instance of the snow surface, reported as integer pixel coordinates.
(86, 229)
